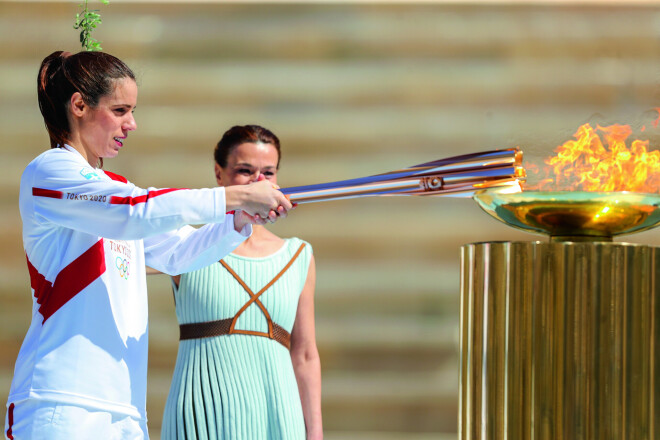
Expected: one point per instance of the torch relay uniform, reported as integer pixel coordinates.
(88, 235)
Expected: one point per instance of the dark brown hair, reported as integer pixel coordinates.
(240, 134)
(62, 74)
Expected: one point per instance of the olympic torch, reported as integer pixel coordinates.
(459, 176)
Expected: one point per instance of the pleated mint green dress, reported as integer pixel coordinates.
(238, 387)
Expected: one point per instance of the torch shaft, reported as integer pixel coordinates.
(453, 176)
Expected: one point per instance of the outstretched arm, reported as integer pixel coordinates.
(305, 358)
(61, 190)
(187, 249)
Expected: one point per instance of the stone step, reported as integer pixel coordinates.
(168, 133)
(372, 401)
(364, 84)
(342, 31)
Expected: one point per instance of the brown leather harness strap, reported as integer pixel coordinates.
(228, 326)
(199, 330)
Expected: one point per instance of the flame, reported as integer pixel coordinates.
(601, 163)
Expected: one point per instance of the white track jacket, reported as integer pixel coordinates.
(88, 235)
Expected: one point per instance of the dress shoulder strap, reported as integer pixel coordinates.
(255, 297)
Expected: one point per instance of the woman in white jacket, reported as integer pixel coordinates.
(88, 234)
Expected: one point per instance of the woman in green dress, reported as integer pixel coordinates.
(248, 367)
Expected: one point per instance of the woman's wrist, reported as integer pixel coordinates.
(239, 221)
(315, 434)
(234, 197)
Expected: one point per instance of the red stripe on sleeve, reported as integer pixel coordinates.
(115, 176)
(116, 200)
(71, 280)
(10, 421)
(40, 192)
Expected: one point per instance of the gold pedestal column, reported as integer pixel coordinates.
(559, 341)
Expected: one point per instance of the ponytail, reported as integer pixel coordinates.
(53, 92)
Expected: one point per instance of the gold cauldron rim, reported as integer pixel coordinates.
(573, 215)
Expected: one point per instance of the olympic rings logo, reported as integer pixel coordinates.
(123, 266)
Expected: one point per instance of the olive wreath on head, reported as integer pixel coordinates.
(87, 20)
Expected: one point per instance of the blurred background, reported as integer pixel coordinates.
(351, 89)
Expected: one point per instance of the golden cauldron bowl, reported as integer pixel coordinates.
(573, 215)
